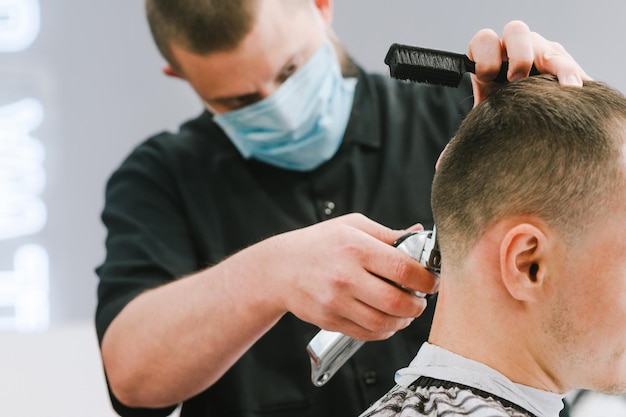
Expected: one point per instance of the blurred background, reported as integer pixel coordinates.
(81, 85)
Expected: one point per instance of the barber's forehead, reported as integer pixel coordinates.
(277, 38)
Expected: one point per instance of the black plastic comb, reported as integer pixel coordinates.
(433, 66)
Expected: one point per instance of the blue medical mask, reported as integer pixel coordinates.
(301, 125)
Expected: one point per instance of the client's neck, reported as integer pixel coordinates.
(481, 325)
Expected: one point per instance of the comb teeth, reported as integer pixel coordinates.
(426, 75)
(425, 65)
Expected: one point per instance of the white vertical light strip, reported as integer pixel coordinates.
(24, 286)
(24, 304)
(22, 175)
(24, 291)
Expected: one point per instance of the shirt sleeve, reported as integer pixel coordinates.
(148, 239)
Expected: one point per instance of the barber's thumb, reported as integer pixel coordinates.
(380, 232)
(417, 227)
(397, 234)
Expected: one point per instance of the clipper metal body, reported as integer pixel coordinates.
(328, 351)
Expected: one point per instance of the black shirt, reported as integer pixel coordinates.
(184, 201)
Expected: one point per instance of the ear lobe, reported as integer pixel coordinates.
(171, 72)
(522, 261)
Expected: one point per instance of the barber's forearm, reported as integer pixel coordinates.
(159, 352)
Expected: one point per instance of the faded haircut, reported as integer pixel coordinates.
(533, 148)
(199, 26)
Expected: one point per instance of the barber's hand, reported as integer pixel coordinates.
(520, 47)
(332, 278)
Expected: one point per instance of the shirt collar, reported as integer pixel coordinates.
(436, 362)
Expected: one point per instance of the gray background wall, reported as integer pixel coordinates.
(97, 74)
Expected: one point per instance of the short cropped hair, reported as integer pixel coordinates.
(533, 148)
(199, 26)
(202, 26)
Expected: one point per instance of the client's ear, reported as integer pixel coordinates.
(523, 255)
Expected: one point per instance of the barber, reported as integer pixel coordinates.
(272, 213)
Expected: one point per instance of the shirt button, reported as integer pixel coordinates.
(329, 207)
(370, 377)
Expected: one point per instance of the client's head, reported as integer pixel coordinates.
(530, 205)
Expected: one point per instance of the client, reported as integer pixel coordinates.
(529, 201)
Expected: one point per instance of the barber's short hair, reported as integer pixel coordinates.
(202, 26)
(533, 148)
(199, 26)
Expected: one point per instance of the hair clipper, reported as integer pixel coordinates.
(328, 350)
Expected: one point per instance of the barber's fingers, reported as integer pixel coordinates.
(372, 308)
(552, 58)
(521, 48)
(386, 299)
(378, 231)
(384, 260)
(404, 271)
(485, 49)
(368, 323)
(517, 49)
(338, 275)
